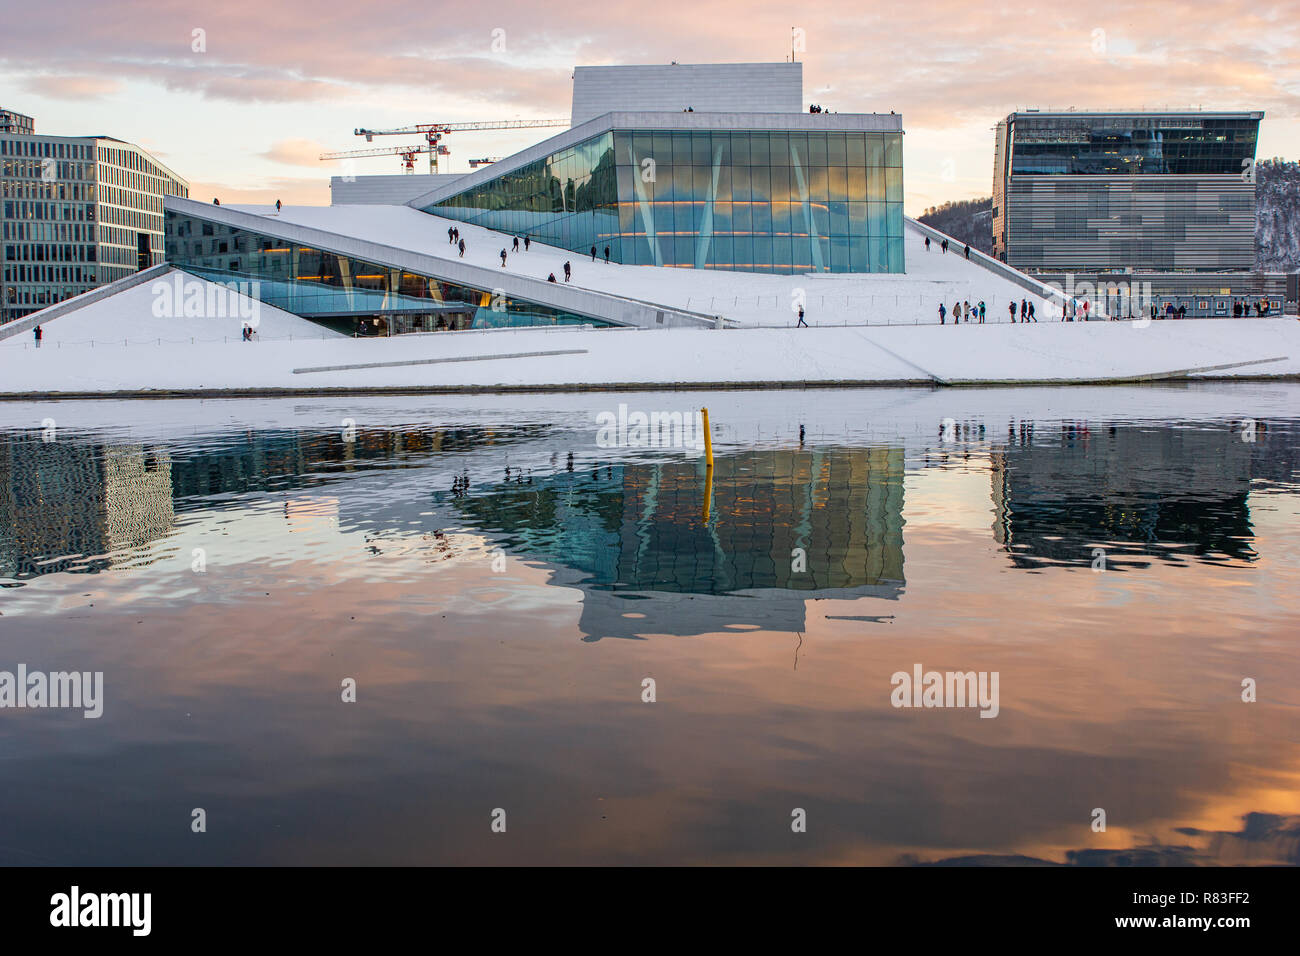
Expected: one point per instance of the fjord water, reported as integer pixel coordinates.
(500, 583)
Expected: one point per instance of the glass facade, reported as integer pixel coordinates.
(1091, 193)
(1116, 145)
(323, 285)
(752, 201)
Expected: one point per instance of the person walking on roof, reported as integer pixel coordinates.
(607, 255)
(1024, 311)
(1032, 317)
(503, 258)
(944, 246)
(927, 243)
(277, 205)
(568, 270)
(981, 311)
(593, 253)
(451, 236)
(515, 247)
(528, 241)
(801, 321)
(461, 246)
(968, 250)
(39, 335)
(942, 313)
(1012, 309)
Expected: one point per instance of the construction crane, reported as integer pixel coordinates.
(406, 153)
(485, 161)
(434, 132)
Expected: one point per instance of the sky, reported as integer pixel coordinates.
(241, 97)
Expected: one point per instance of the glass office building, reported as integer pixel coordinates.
(1097, 192)
(343, 291)
(759, 200)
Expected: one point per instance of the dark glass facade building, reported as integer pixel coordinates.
(1110, 192)
(342, 290)
(758, 200)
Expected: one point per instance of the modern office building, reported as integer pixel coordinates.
(76, 213)
(1096, 192)
(1156, 206)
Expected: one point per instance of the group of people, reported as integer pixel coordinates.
(943, 246)
(1242, 308)
(453, 237)
(964, 310)
(974, 312)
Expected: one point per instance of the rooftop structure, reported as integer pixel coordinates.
(677, 87)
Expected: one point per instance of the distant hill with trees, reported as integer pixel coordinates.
(1277, 216)
(967, 220)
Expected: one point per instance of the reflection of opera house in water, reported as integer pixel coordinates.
(70, 505)
(784, 526)
(1144, 493)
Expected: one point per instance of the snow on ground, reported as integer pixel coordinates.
(746, 297)
(577, 357)
(131, 316)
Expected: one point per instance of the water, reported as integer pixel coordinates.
(1123, 558)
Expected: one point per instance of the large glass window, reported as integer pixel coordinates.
(754, 201)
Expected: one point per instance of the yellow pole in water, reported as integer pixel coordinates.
(708, 438)
(708, 463)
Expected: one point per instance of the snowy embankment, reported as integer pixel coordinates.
(576, 358)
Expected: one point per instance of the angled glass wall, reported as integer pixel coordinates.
(783, 202)
(319, 284)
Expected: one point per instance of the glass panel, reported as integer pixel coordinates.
(701, 149)
(780, 183)
(894, 150)
(817, 149)
(838, 183)
(875, 149)
(779, 149)
(739, 149)
(856, 144)
(836, 152)
(894, 183)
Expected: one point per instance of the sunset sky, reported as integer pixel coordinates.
(279, 82)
